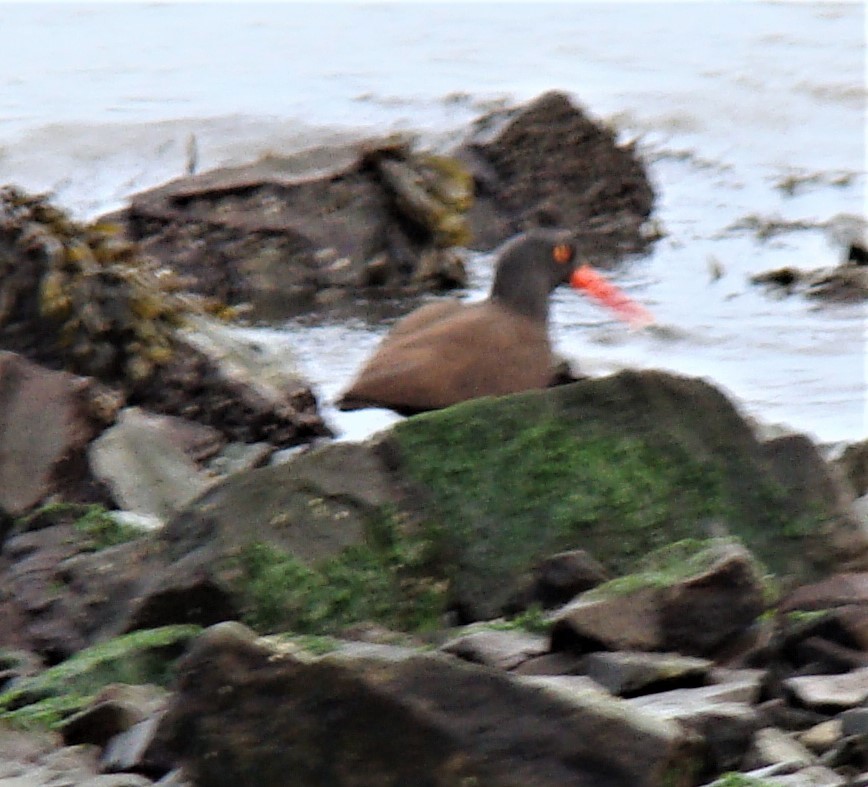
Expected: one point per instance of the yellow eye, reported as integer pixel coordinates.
(562, 253)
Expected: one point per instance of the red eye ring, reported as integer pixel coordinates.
(562, 253)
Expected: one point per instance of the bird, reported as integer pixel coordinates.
(450, 351)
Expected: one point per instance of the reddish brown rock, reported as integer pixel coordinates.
(249, 713)
(694, 614)
(47, 419)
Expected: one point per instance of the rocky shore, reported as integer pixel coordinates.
(613, 582)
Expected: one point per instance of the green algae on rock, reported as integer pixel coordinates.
(312, 545)
(92, 521)
(46, 699)
(380, 581)
(619, 466)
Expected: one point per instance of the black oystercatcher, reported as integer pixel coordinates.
(448, 352)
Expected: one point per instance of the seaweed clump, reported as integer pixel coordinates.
(79, 297)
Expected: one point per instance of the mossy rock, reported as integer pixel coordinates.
(93, 525)
(618, 466)
(675, 563)
(450, 510)
(46, 699)
(379, 581)
(311, 546)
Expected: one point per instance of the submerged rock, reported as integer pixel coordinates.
(845, 282)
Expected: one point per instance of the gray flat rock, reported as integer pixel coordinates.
(848, 690)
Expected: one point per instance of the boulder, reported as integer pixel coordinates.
(549, 161)
(725, 724)
(146, 470)
(558, 578)
(628, 674)
(830, 692)
(853, 464)
(827, 623)
(500, 649)
(77, 297)
(692, 600)
(115, 710)
(47, 419)
(774, 747)
(250, 713)
(71, 576)
(288, 234)
(617, 466)
(309, 544)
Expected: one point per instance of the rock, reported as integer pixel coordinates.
(247, 390)
(552, 664)
(143, 523)
(813, 776)
(853, 465)
(840, 590)
(240, 457)
(247, 713)
(823, 736)
(175, 779)
(629, 674)
(70, 765)
(294, 546)
(504, 650)
(855, 722)
(17, 664)
(773, 747)
(117, 780)
(558, 578)
(50, 460)
(836, 692)
(778, 713)
(133, 750)
(145, 470)
(278, 232)
(847, 282)
(59, 590)
(691, 604)
(741, 685)
(548, 161)
(117, 708)
(617, 466)
(178, 596)
(80, 298)
(725, 724)
(798, 464)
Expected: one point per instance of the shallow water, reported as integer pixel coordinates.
(727, 101)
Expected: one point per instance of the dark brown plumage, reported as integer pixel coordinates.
(448, 352)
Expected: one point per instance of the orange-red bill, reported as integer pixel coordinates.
(588, 280)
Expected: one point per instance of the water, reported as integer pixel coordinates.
(726, 99)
